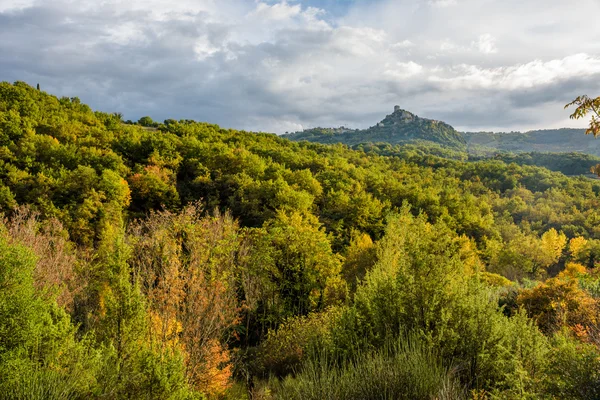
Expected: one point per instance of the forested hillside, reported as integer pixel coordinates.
(549, 140)
(569, 151)
(179, 260)
(403, 127)
(399, 127)
(570, 164)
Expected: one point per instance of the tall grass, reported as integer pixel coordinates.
(43, 384)
(402, 369)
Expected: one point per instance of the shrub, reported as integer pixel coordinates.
(284, 349)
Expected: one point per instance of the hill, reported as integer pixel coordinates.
(401, 126)
(181, 260)
(548, 140)
(566, 150)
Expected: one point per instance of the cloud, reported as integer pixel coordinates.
(276, 12)
(10, 5)
(530, 75)
(403, 44)
(282, 65)
(404, 70)
(442, 3)
(485, 44)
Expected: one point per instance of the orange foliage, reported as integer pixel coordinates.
(186, 264)
(559, 302)
(213, 376)
(56, 259)
(572, 270)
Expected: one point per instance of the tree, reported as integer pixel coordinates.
(559, 302)
(574, 369)
(38, 350)
(426, 281)
(306, 271)
(146, 121)
(587, 105)
(360, 257)
(131, 366)
(187, 266)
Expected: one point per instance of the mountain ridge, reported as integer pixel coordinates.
(403, 127)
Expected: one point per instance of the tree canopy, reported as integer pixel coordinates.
(181, 260)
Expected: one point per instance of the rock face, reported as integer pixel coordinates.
(401, 126)
(399, 116)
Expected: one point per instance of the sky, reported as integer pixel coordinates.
(278, 66)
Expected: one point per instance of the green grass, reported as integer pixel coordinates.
(403, 369)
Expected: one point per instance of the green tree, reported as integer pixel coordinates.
(131, 366)
(426, 282)
(146, 121)
(307, 272)
(573, 370)
(39, 355)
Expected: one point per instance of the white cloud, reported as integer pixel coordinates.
(447, 45)
(442, 3)
(521, 76)
(203, 48)
(11, 5)
(403, 70)
(485, 44)
(282, 65)
(403, 44)
(277, 12)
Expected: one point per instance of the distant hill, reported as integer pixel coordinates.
(567, 150)
(401, 126)
(571, 163)
(548, 140)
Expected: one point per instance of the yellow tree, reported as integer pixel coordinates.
(360, 257)
(552, 244)
(576, 246)
(559, 302)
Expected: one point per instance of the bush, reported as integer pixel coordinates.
(574, 369)
(425, 281)
(284, 349)
(39, 356)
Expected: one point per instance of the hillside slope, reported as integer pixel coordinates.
(547, 140)
(401, 126)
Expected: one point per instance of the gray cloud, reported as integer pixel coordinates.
(281, 66)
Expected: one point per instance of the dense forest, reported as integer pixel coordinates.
(179, 260)
(419, 151)
(565, 150)
(404, 127)
(399, 127)
(547, 140)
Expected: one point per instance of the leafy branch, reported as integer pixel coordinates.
(587, 105)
